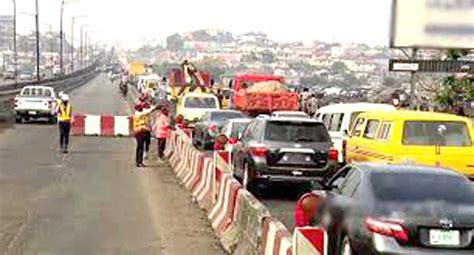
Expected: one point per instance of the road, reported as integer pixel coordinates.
(93, 200)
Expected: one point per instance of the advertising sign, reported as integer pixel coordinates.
(432, 24)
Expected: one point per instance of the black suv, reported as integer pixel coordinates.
(283, 149)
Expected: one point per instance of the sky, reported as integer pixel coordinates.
(133, 22)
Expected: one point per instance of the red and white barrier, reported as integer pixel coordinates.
(222, 214)
(309, 240)
(101, 125)
(190, 180)
(204, 190)
(240, 221)
(182, 167)
(276, 240)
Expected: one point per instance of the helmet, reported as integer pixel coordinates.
(64, 97)
(60, 94)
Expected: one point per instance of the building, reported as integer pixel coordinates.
(6, 32)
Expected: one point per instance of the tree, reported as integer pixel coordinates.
(202, 35)
(174, 42)
(455, 90)
(389, 81)
(267, 56)
(338, 68)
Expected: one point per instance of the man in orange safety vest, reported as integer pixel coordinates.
(140, 130)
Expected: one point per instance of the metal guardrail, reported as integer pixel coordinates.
(63, 83)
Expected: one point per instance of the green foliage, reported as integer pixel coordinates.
(389, 81)
(338, 68)
(174, 42)
(455, 91)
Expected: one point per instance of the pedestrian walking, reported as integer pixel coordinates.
(140, 128)
(161, 129)
(64, 111)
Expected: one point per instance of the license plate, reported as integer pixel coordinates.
(441, 237)
(32, 113)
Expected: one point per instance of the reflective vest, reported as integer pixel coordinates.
(140, 123)
(64, 113)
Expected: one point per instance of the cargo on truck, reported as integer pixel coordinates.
(263, 94)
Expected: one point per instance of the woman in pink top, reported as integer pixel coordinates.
(160, 130)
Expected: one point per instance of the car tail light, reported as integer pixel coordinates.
(258, 151)
(333, 154)
(395, 230)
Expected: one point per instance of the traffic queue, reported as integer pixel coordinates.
(386, 181)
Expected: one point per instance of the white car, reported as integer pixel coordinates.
(290, 114)
(35, 102)
(194, 105)
(338, 119)
(233, 129)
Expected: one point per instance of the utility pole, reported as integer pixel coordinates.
(61, 36)
(38, 55)
(72, 44)
(15, 53)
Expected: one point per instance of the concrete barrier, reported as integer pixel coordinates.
(244, 236)
(204, 191)
(241, 223)
(222, 213)
(276, 240)
(309, 240)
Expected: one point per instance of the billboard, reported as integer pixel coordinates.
(432, 24)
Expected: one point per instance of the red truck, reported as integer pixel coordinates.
(262, 102)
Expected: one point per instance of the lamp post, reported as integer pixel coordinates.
(72, 39)
(38, 75)
(61, 34)
(82, 46)
(15, 53)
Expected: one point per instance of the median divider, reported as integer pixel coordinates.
(240, 221)
(309, 240)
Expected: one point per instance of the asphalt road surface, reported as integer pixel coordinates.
(92, 200)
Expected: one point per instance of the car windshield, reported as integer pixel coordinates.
(420, 187)
(222, 116)
(200, 102)
(294, 131)
(444, 133)
(237, 129)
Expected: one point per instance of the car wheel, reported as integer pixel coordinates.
(346, 248)
(18, 119)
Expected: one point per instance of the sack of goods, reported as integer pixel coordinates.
(267, 87)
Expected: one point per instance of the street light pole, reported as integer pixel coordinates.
(82, 46)
(38, 76)
(15, 54)
(61, 36)
(72, 44)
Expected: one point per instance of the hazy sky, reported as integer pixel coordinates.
(135, 21)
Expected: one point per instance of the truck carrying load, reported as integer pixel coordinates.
(261, 93)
